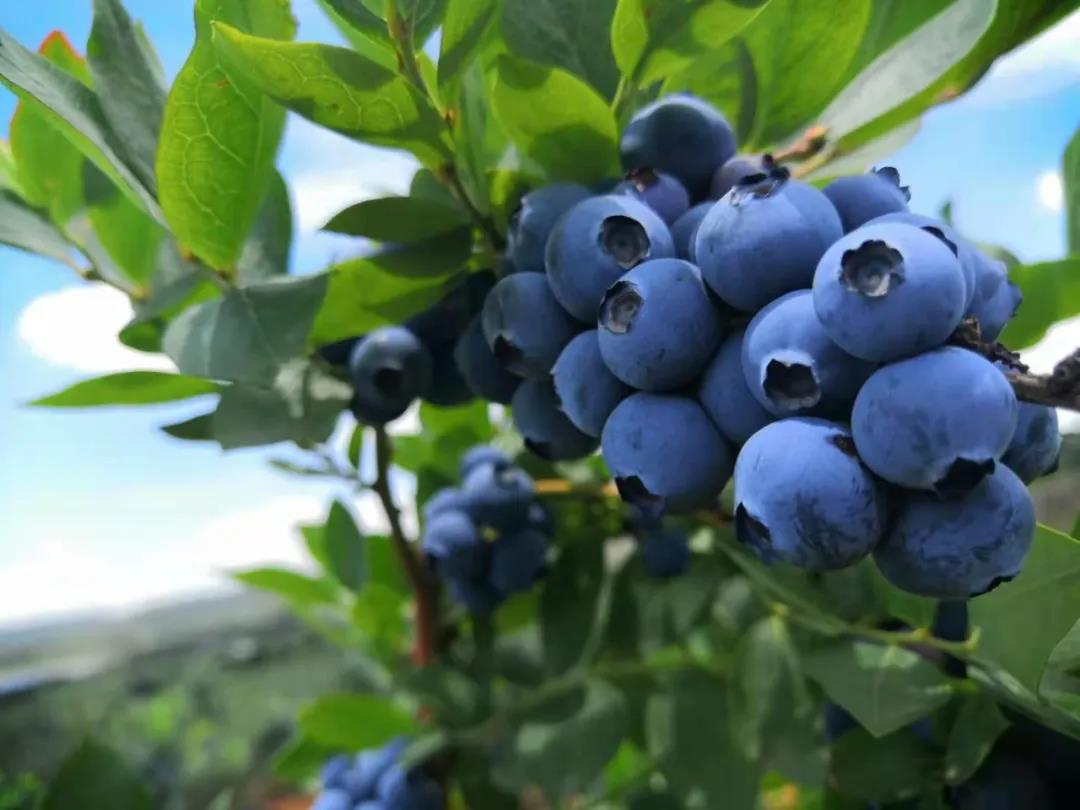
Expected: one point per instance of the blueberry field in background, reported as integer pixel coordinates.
(586, 652)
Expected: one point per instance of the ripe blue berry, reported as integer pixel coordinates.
(665, 552)
(479, 455)
(724, 395)
(482, 372)
(476, 595)
(499, 495)
(531, 224)
(333, 772)
(662, 192)
(862, 197)
(588, 392)
(399, 789)
(658, 328)
(1036, 444)
(889, 290)
(803, 497)
(938, 421)
(597, 241)
(735, 170)
(524, 325)
(793, 368)
(453, 545)
(764, 239)
(963, 547)
(665, 454)
(445, 500)
(546, 430)
(682, 135)
(389, 368)
(369, 766)
(996, 298)
(518, 560)
(684, 230)
(448, 386)
(333, 800)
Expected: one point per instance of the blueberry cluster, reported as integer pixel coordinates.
(489, 538)
(711, 302)
(375, 780)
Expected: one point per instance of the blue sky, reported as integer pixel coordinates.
(99, 509)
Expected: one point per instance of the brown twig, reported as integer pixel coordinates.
(810, 143)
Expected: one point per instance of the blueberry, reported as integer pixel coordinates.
(338, 352)
(524, 325)
(684, 230)
(658, 327)
(802, 496)
(532, 222)
(476, 595)
(996, 298)
(453, 545)
(724, 395)
(938, 421)
(402, 790)
(962, 547)
(499, 495)
(838, 721)
(369, 805)
(889, 290)
(445, 500)
(861, 198)
(665, 454)
(1005, 781)
(333, 800)
(369, 767)
(662, 192)
(964, 251)
(764, 239)
(588, 392)
(737, 169)
(482, 372)
(389, 368)
(665, 552)
(448, 386)
(597, 241)
(481, 454)
(518, 559)
(1036, 444)
(793, 368)
(544, 427)
(541, 520)
(333, 772)
(681, 135)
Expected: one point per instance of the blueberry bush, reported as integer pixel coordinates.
(720, 481)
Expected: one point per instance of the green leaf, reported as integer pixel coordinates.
(695, 754)
(882, 769)
(24, 228)
(8, 177)
(556, 119)
(130, 84)
(197, 429)
(454, 696)
(383, 565)
(572, 606)
(339, 89)
(355, 722)
(884, 687)
(362, 296)
(1051, 294)
(418, 17)
(356, 445)
(359, 16)
(344, 548)
(464, 26)
(296, 588)
(916, 611)
(249, 334)
(266, 252)
(978, 725)
(1070, 173)
(129, 235)
(75, 111)
(652, 41)
(889, 24)
(565, 34)
(218, 137)
(128, 388)
(95, 778)
(302, 406)
(301, 759)
(380, 614)
(563, 742)
(397, 219)
(1020, 622)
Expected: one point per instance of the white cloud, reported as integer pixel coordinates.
(1050, 191)
(76, 328)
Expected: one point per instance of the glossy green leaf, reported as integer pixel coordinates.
(884, 687)
(27, 229)
(359, 16)
(1070, 173)
(355, 722)
(266, 252)
(365, 32)
(1051, 294)
(916, 611)
(383, 616)
(250, 333)
(302, 405)
(653, 40)
(95, 778)
(75, 111)
(566, 34)
(572, 607)
(197, 429)
(397, 219)
(898, 766)
(889, 24)
(301, 759)
(464, 26)
(978, 725)
(339, 89)
(557, 119)
(1020, 622)
(724, 77)
(128, 388)
(129, 236)
(219, 136)
(130, 84)
(292, 586)
(417, 17)
(344, 547)
(9, 179)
